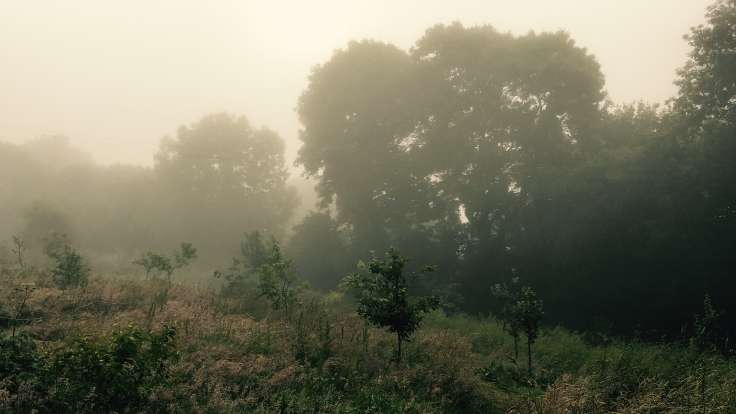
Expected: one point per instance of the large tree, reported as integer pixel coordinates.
(224, 177)
(359, 115)
(507, 121)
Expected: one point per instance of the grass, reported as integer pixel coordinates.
(233, 354)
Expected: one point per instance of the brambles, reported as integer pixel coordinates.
(384, 299)
(115, 373)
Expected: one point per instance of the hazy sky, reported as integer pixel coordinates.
(116, 76)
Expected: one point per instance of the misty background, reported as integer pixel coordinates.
(115, 77)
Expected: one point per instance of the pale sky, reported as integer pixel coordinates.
(116, 76)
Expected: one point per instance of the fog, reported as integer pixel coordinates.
(424, 206)
(115, 77)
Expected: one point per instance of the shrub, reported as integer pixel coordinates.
(110, 375)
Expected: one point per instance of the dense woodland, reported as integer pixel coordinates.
(488, 155)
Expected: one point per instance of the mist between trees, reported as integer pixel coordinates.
(487, 155)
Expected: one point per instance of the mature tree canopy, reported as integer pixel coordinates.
(224, 178)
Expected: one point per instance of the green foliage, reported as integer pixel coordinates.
(509, 296)
(155, 264)
(243, 272)
(70, 269)
(490, 153)
(263, 267)
(222, 175)
(384, 299)
(521, 312)
(19, 357)
(112, 374)
(277, 281)
(705, 335)
(529, 310)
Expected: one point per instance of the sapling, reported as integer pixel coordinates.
(384, 299)
(529, 311)
(156, 264)
(277, 280)
(70, 269)
(508, 295)
(521, 312)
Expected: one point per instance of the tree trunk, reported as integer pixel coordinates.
(516, 349)
(398, 348)
(529, 356)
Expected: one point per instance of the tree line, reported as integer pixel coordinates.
(496, 156)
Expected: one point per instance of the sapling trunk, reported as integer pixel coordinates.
(529, 356)
(398, 348)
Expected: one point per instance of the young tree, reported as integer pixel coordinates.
(529, 311)
(521, 312)
(157, 264)
(508, 296)
(70, 269)
(384, 299)
(277, 280)
(263, 263)
(154, 263)
(705, 335)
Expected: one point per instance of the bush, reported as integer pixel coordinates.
(19, 357)
(114, 374)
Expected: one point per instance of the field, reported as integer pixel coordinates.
(119, 345)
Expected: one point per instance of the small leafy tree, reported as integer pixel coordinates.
(508, 295)
(153, 263)
(156, 264)
(70, 269)
(529, 310)
(705, 335)
(521, 312)
(254, 253)
(384, 299)
(277, 280)
(263, 264)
